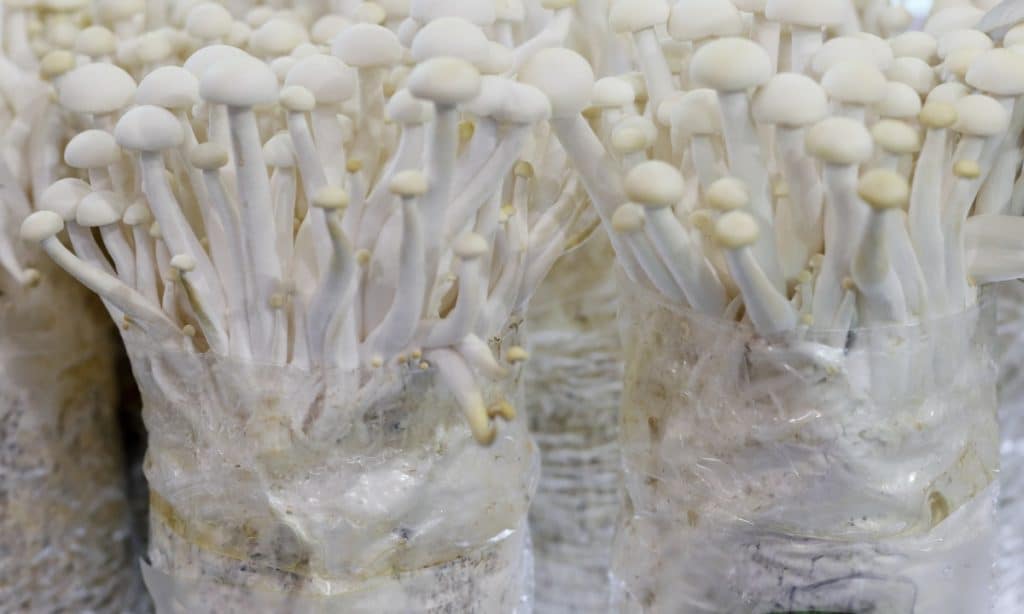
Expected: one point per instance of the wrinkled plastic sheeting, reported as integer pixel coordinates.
(65, 531)
(1010, 568)
(834, 472)
(279, 490)
(574, 386)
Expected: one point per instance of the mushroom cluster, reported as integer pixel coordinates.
(776, 164)
(374, 190)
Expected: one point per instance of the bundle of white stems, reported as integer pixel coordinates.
(766, 167)
(338, 197)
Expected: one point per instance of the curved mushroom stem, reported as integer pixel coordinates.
(845, 218)
(408, 156)
(882, 295)
(459, 378)
(768, 309)
(333, 296)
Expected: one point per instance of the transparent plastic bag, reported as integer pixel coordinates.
(1010, 566)
(65, 531)
(574, 379)
(279, 490)
(833, 473)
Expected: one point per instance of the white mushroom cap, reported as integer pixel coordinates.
(96, 88)
(331, 197)
(914, 44)
(171, 87)
(913, 72)
(728, 194)
(563, 76)
(480, 12)
(959, 62)
(470, 246)
(304, 50)
(327, 77)
(183, 263)
(884, 189)
(646, 131)
(282, 65)
(655, 184)
(277, 37)
(937, 115)
(628, 16)
(628, 219)
(454, 37)
(62, 197)
(404, 108)
(695, 20)
(854, 82)
(296, 98)
(612, 92)
(509, 10)
(524, 104)
(148, 128)
(112, 11)
(327, 27)
(895, 18)
(900, 102)
(408, 184)
(137, 213)
(100, 208)
(807, 13)
(500, 59)
(1014, 36)
(40, 226)
(737, 229)
(751, 6)
(844, 48)
(370, 13)
(953, 18)
(979, 115)
(998, 71)
(205, 57)
(208, 21)
(208, 156)
(790, 99)
(239, 82)
(493, 92)
(696, 113)
(395, 9)
(153, 47)
(731, 65)
(445, 81)
(366, 46)
(279, 152)
(56, 63)
(95, 42)
(896, 137)
(840, 140)
(948, 92)
(963, 39)
(627, 140)
(91, 149)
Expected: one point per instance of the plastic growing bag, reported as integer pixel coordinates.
(65, 532)
(281, 490)
(837, 473)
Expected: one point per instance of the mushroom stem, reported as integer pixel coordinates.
(473, 195)
(844, 225)
(478, 354)
(660, 84)
(283, 187)
(925, 214)
(334, 293)
(408, 155)
(313, 234)
(688, 267)
(459, 378)
(399, 325)
(463, 316)
(805, 189)
(145, 263)
(804, 44)
(442, 149)
(882, 296)
(120, 252)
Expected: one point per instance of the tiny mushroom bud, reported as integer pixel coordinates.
(884, 189)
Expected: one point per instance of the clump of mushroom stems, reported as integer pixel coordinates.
(324, 197)
(829, 181)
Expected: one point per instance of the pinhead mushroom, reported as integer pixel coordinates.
(208, 21)
(979, 115)
(696, 112)
(563, 76)
(171, 87)
(56, 63)
(612, 92)
(696, 20)
(445, 81)
(479, 12)
(325, 76)
(367, 46)
(239, 82)
(896, 137)
(100, 208)
(327, 27)
(96, 89)
(873, 50)
(137, 213)
(331, 197)
(208, 156)
(900, 102)
(524, 104)
(854, 82)
(792, 100)
(728, 194)
(405, 108)
(655, 184)
(41, 226)
(999, 72)
(279, 151)
(628, 219)
(915, 44)
(200, 61)
(148, 128)
(451, 37)
(91, 149)
(62, 197)
(840, 140)
(470, 246)
(731, 65)
(183, 263)
(737, 229)
(884, 189)
(807, 13)
(963, 39)
(276, 37)
(916, 73)
(967, 169)
(297, 99)
(500, 59)
(96, 42)
(938, 115)
(952, 19)
(408, 184)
